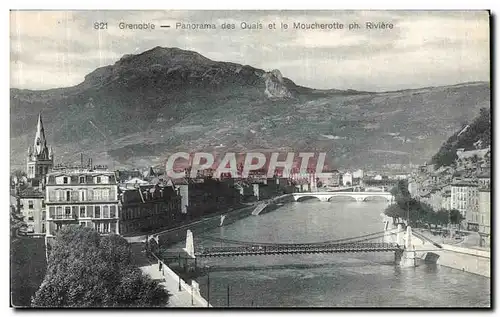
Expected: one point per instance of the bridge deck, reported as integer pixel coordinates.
(278, 250)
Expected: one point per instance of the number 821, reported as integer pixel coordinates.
(100, 25)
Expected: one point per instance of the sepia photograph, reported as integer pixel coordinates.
(250, 159)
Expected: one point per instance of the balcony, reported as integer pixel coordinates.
(65, 217)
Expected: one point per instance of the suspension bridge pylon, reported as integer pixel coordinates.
(408, 258)
(189, 244)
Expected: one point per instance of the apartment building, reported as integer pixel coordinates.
(148, 207)
(484, 216)
(464, 198)
(84, 196)
(32, 207)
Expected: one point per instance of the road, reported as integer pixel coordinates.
(148, 266)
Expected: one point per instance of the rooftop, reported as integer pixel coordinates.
(31, 192)
(79, 170)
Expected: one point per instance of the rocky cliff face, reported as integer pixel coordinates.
(275, 85)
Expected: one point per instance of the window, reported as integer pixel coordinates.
(97, 211)
(98, 179)
(98, 194)
(68, 195)
(43, 228)
(67, 211)
(82, 211)
(82, 195)
(65, 180)
(105, 194)
(105, 227)
(105, 212)
(82, 180)
(59, 212)
(90, 211)
(112, 211)
(82, 223)
(30, 204)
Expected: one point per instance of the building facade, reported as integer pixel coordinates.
(32, 207)
(148, 208)
(40, 158)
(484, 216)
(347, 179)
(446, 195)
(205, 196)
(329, 178)
(84, 196)
(464, 198)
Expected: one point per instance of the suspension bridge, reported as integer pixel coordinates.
(397, 240)
(366, 243)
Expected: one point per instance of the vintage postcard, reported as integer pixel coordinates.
(215, 159)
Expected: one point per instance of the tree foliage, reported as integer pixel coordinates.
(419, 213)
(394, 211)
(478, 130)
(456, 217)
(16, 221)
(87, 270)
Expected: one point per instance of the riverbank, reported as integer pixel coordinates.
(456, 257)
(175, 235)
(444, 254)
(181, 293)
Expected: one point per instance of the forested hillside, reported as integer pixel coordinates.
(476, 135)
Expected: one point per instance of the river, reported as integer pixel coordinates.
(328, 280)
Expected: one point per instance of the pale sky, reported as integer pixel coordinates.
(51, 49)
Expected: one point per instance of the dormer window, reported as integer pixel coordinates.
(65, 180)
(98, 179)
(82, 179)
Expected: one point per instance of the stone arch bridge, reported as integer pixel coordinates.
(358, 196)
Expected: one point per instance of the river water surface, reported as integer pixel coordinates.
(328, 280)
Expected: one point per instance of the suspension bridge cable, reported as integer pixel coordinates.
(365, 237)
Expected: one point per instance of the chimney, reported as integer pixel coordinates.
(81, 160)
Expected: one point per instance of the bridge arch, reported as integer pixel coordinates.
(342, 198)
(308, 198)
(376, 198)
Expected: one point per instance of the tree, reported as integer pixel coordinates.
(456, 217)
(395, 212)
(19, 174)
(16, 221)
(426, 214)
(87, 270)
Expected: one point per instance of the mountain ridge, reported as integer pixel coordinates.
(147, 105)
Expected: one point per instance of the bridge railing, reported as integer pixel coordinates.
(327, 247)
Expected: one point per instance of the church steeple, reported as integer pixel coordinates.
(40, 143)
(40, 159)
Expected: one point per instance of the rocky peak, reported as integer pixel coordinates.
(275, 85)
